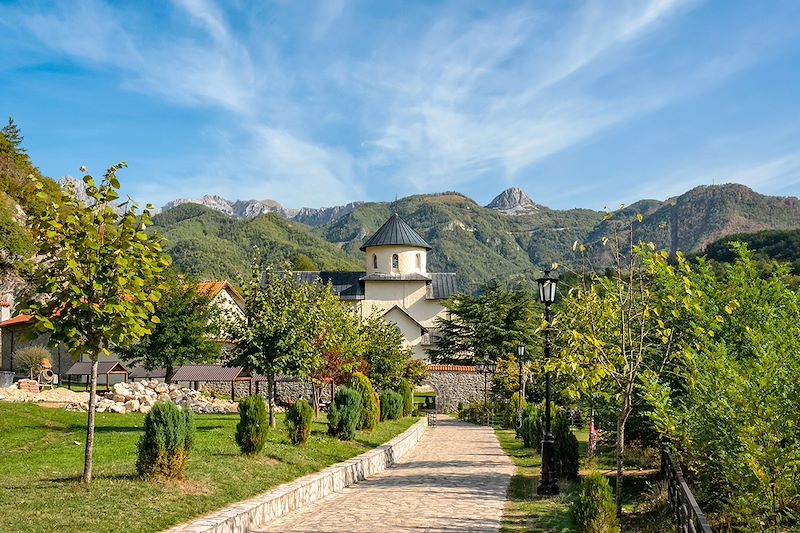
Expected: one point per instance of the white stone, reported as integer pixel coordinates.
(164, 397)
(118, 398)
(162, 388)
(145, 409)
(117, 408)
(132, 406)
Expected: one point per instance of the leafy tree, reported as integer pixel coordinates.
(415, 371)
(611, 334)
(338, 339)
(99, 278)
(302, 262)
(733, 415)
(184, 332)
(490, 324)
(384, 354)
(276, 334)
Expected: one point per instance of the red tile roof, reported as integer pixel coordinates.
(5, 303)
(19, 319)
(450, 368)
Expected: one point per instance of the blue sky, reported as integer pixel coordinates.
(581, 104)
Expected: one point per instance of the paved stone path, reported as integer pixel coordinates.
(455, 480)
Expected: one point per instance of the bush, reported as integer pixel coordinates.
(510, 415)
(407, 392)
(474, 413)
(30, 358)
(344, 414)
(369, 401)
(593, 510)
(164, 448)
(299, 418)
(251, 431)
(391, 405)
(565, 443)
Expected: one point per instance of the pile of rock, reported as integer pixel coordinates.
(28, 385)
(139, 397)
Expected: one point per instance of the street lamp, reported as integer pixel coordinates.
(548, 485)
(520, 355)
(485, 369)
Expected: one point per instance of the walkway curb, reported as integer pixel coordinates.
(283, 499)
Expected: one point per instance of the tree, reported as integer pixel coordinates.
(184, 334)
(12, 133)
(384, 353)
(611, 334)
(488, 325)
(99, 279)
(277, 332)
(338, 340)
(733, 413)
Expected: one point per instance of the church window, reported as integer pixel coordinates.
(395, 261)
(374, 261)
(419, 261)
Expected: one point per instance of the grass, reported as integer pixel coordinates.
(41, 461)
(643, 511)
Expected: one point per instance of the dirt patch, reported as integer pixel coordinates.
(58, 395)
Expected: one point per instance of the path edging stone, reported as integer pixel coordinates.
(283, 499)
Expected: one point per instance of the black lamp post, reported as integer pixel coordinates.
(548, 484)
(485, 369)
(520, 355)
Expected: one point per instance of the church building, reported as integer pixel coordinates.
(396, 283)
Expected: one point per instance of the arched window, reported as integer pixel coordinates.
(374, 261)
(395, 261)
(419, 261)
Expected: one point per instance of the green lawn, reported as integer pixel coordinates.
(527, 512)
(41, 460)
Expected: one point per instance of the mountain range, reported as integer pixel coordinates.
(508, 239)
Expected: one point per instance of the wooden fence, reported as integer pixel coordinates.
(686, 513)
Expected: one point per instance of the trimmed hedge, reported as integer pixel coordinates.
(251, 431)
(164, 449)
(370, 410)
(344, 414)
(593, 510)
(391, 405)
(299, 418)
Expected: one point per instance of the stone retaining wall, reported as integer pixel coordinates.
(244, 516)
(284, 390)
(454, 384)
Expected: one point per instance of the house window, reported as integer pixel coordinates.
(395, 261)
(374, 261)
(419, 261)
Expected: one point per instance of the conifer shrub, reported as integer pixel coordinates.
(407, 392)
(391, 405)
(251, 431)
(344, 414)
(164, 449)
(510, 415)
(370, 410)
(567, 450)
(299, 418)
(593, 510)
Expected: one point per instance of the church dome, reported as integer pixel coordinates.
(396, 232)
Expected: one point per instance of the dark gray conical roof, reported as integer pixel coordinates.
(396, 231)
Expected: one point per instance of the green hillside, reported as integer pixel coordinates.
(209, 244)
(780, 245)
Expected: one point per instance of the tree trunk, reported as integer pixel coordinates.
(316, 393)
(87, 461)
(620, 466)
(271, 399)
(169, 371)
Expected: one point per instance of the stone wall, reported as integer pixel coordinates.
(285, 391)
(454, 384)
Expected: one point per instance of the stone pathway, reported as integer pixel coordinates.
(455, 480)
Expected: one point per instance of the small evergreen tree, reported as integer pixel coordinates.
(164, 448)
(565, 443)
(593, 510)
(511, 415)
(391, 405)
(407, 392)
(251, 431)
(299, 418)
(369, 401)
(344, 414)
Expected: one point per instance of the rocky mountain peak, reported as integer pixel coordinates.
(513, 201)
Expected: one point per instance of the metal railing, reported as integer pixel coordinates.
(686, 513)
